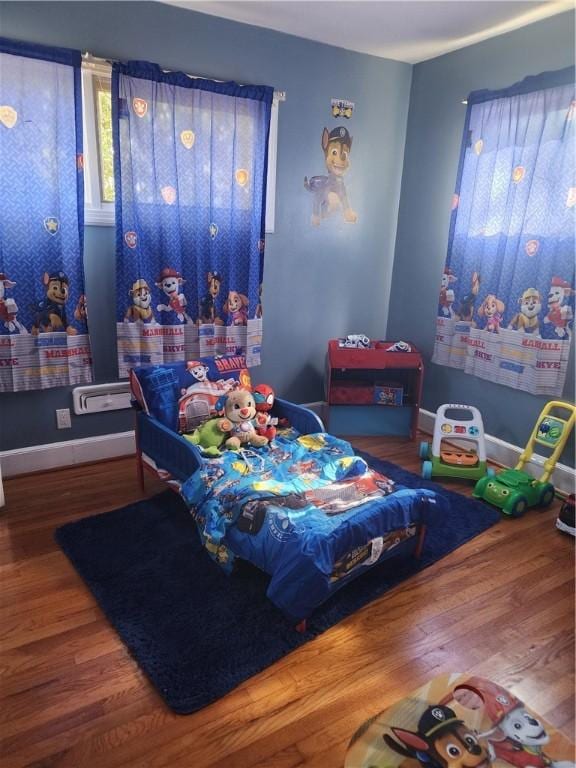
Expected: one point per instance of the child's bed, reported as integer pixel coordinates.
(305, 509)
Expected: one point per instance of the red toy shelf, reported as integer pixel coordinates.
(373, 391)
(376, 357)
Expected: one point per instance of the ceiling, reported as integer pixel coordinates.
(405, 30)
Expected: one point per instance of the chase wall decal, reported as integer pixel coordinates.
(329, 192)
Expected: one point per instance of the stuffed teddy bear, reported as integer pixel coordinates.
(240, 410)
(210, 436)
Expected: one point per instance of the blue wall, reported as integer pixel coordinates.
(319, 282)
(435, 125)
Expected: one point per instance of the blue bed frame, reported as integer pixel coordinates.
(180, 459)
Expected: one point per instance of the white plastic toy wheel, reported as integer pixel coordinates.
(427, 470)
(423, 451)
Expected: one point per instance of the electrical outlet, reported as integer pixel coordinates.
(63, 418)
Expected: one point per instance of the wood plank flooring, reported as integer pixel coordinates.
(71, 696)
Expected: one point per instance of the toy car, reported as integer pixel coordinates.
(355, 341)
(513, 490)
(399, 346)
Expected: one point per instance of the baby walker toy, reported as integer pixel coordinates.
(464, 456)
(513, 490)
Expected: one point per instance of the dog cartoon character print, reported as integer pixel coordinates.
(468, 301)
(174, 311)
(492, 309)
(50, 313)
(8, 308)
(457, 721)
(208, 311)
(447, 296)
(236, 307)
(140, 309)
(526, 320)
(517, 735)
(441, 741)
(329, 191)
(199, 373)
(559, 312)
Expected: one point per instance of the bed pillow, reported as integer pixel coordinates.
(206, 380)
(183, 395)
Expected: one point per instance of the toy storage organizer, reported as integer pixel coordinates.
(372, 391)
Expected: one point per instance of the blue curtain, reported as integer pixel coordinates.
(506, 304)
(190, 171)
(43, 333)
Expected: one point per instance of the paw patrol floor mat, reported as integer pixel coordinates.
(459, 721)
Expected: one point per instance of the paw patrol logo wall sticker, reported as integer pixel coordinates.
(188, 138)
(455, 201)
(342, 108)
(168, 195)
(532, 247)
(140, 106)
(131, 239)
(213, 230)
(51, 225)
(261, 245)
(8, 116)
(478, 146)
(571, 198)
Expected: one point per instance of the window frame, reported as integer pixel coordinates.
(96, 212)
(99, 213)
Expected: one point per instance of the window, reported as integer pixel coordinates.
(506, 303)
(98, 154)
(98, 149)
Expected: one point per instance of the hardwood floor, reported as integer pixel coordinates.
(501, 606)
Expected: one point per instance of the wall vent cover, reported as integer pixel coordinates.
(96, 398)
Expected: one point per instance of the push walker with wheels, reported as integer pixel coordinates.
(458, 448)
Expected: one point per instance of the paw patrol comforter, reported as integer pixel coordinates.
(305, 510)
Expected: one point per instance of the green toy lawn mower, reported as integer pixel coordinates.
(513, 490)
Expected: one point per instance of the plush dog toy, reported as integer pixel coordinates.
(239, 408)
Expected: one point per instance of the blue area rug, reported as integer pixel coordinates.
(198, 633)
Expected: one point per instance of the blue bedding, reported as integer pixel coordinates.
(307, 511)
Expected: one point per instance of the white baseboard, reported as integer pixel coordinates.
(506, 454)
(53, 455)
(38, 458)
(65, 454)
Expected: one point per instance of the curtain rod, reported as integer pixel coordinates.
(89, 58)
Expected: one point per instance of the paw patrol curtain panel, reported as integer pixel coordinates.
(506, 305)
(43, 333)
(190, 166)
